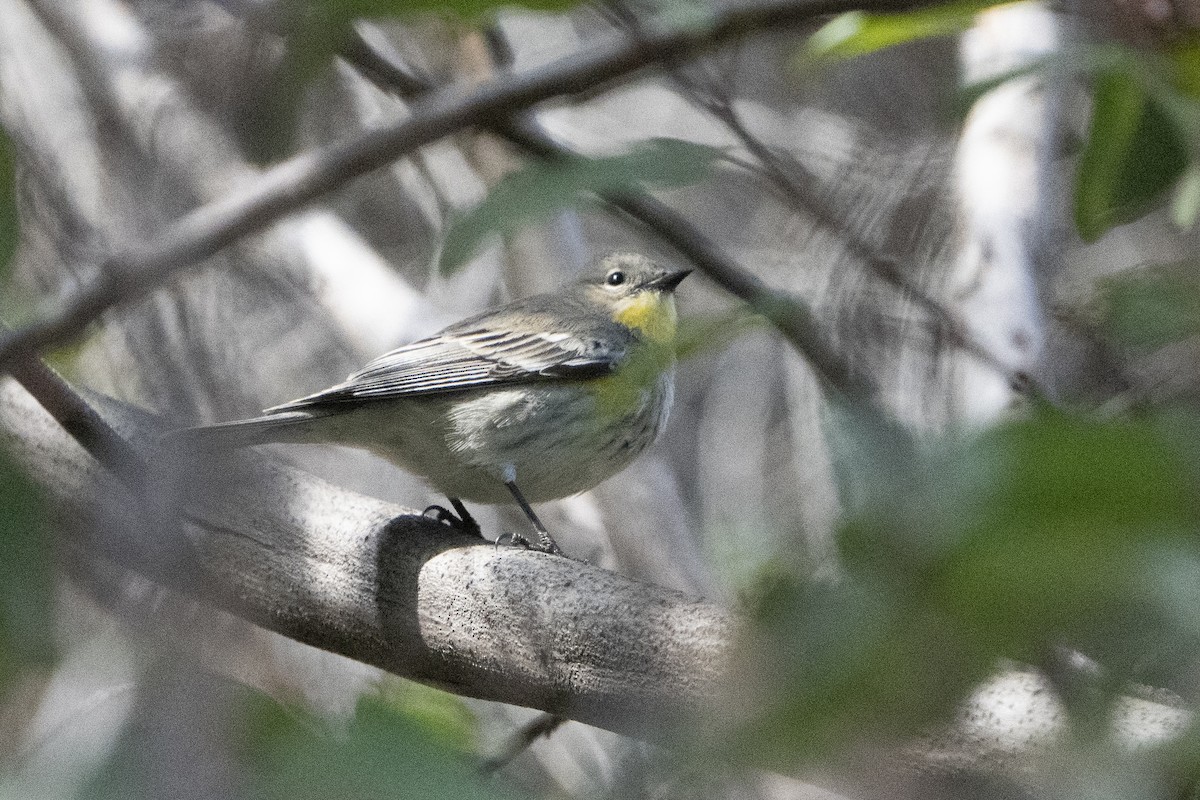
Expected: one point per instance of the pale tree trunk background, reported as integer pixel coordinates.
(127, 115)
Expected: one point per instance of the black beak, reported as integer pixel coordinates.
(668, 281)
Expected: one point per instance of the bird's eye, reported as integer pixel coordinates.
(615, 278)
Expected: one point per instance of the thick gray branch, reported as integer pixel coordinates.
(376, 583)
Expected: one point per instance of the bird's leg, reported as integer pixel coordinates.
(465, 519)
(463, 522)
(545, 542)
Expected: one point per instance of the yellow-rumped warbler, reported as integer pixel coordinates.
(553, 393)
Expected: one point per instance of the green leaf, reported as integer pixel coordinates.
(442, 716)
(26, 588)
(1061, 525)
(1152, 307)
(1186, 205)
(384, 753)
(540, 190)
(842, 663)
(1184, 57)
(1143, 116)
(1134, 153)
(858, 33)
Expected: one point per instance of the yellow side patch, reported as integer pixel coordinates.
(653, 315)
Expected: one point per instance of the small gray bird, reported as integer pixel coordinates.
(538, 399)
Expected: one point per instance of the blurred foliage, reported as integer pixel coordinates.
(384, 752)
(442, 716)
(858, 33)
(1151, 307)
(540, 190)
(1184, 57)
(1134, 154)
(316, 30)
(707, 333)
(26, 585)
(1142, 136)
(1055, 530)
(396, 745)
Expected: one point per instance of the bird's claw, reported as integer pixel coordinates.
(462, 521)
(545, 545)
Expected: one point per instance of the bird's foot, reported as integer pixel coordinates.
(545, 543)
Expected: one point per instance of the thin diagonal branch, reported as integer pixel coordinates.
(132, 274)
(80, 420)
(539, 726)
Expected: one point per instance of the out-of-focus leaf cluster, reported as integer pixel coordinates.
(541, 190)
(403, 741)
(858, 33)
(313, 31)
(1150, 308)
(26, 586)
(383, 752)
(1046, 532)
(1143, 118)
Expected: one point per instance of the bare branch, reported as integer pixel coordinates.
(131, 274)
(391, 588)
(79, 419)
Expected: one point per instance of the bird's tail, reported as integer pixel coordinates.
(284, 427)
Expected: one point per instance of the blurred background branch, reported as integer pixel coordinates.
(292, 185)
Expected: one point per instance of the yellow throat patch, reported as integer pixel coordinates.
(651, 313)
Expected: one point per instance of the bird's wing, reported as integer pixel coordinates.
(467, 357)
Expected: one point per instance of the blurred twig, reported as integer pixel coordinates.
(80, 420)
(542, 725)
(291, 185)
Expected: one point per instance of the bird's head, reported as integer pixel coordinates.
(637, 293)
